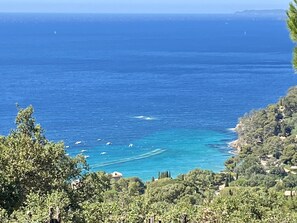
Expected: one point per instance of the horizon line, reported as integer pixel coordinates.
(148, 13)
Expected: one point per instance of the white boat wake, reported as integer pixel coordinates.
(129, 159)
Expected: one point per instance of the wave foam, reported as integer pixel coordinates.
(232, 129)
(146, 118)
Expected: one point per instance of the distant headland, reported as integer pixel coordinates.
(275, 13)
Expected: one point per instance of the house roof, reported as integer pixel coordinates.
(116, 174)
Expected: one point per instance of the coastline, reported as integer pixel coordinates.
(235, 146)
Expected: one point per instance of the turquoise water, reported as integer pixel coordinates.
(171, 85)
(178, 151)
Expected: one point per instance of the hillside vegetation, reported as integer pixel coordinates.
(36, 175)
(39, 182)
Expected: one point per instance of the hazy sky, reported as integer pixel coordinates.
(139, 6)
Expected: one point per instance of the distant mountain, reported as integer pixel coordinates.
(276, 13)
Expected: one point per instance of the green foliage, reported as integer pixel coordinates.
(268, 141)
(165, 174)
(36, 175)
(292, 25)
(39, 205)
(231, 163)
(248, 205)
(31, 163)
(92, 186)
(133, 186)
(4, 216)
(164, 190)
(278, 172)
(290, 181)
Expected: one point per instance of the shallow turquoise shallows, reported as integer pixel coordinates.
(177, 151)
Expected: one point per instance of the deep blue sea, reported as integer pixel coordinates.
(162, 90)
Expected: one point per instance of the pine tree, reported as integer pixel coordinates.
(292, 25)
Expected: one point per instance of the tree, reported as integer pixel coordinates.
(92, 186)
(292, 25)
(248, 205)
(32, 163)
(38, 206)
(290, 181)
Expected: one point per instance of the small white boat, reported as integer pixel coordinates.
(99, 139)
(78, 142)
(86, 157)
(66, 147)
(109, 143)
(82, 151)
(130, 145)
(103, 153)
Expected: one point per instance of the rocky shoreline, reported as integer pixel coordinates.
(235, 145)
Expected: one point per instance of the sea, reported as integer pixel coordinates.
(142, 94)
